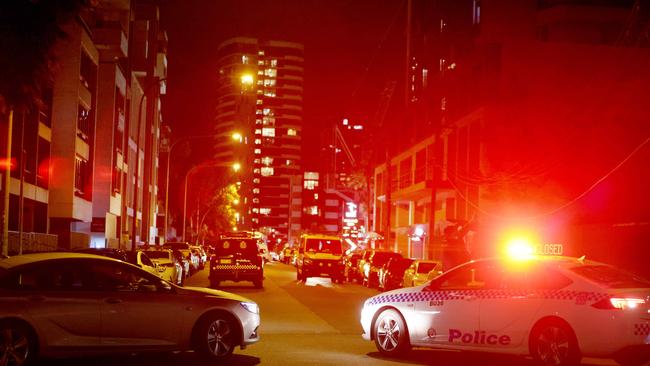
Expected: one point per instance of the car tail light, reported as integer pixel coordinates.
(621, 303)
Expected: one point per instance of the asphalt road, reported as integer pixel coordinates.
(316, 323)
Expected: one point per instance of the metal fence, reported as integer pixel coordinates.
(32, 242)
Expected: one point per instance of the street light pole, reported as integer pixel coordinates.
(235, 136)
(234, 166)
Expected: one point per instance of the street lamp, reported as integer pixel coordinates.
(235, 136)
(235, 167)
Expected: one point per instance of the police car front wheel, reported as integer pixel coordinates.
(391, 335)
(553, 343)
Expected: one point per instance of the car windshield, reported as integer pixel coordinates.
(245, 247)
(323, 246)
(426, 267)
(155, 254)
(611, 277)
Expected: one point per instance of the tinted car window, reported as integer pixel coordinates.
(155, 254)
(115, 277)
(50, 276)
(475, 276)
(611, 277)
(145, 260)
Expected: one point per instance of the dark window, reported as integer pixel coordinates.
(83, 123)
(87, 72)
(122, 278)
(81, 177)
(43, 164)
(58, 276)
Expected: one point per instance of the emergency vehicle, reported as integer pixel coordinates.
(556, 309)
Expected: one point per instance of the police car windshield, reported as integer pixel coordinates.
(323, 246)
(611, 277)
(245, 247)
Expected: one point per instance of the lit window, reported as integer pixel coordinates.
(274, 63)
(291, 132)
(345, 121)
(258, 131)
(256, 171)
(259, 82)
(315, 196)
(311, 210)
(310, 184)
(256, 191)
(261, 53)
(256, 161)
(265, 211)
(269, 93)
(244, 59)
(267, 160)
(271, 72)
(269, 82)
(288, 162)
(267, 112)
(268, 121)
(255, 220)
(260, 72)
(255, 210)
(256, 200)
(260, 62)
(425, 77)
(256, 181)
(259, 101)
(267, 171)
(258, 151)
(258, 141)
(311, 175)
(358, 127)
(258, 121)
(268, 131)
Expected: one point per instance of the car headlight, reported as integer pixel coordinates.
(251, 307)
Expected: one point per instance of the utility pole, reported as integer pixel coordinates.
(5, 186)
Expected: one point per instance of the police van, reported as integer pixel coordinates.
(556, 309)
(320, 256)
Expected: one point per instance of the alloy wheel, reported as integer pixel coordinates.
(388, 333)
(220, 338)
(14, 347)
(553, 346)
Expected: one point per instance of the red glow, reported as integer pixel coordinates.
(8, 164)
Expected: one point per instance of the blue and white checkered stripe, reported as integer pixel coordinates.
(578, 296)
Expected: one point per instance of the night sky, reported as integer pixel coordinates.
(352, 49)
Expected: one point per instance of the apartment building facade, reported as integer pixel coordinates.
(259, 125)
(490, 81)
(76, 186)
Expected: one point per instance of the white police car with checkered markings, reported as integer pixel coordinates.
(555, 309)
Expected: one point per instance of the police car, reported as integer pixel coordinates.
(555, 309)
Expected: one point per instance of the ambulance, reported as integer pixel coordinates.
(555, 309)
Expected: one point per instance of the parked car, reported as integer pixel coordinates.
(184, 248)
(391, 275)
(200, 254)
(60, 304)
(142, 260)
(351, 271)
(168, 266)
(420, 272)
(374, 263)
(184, 262)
